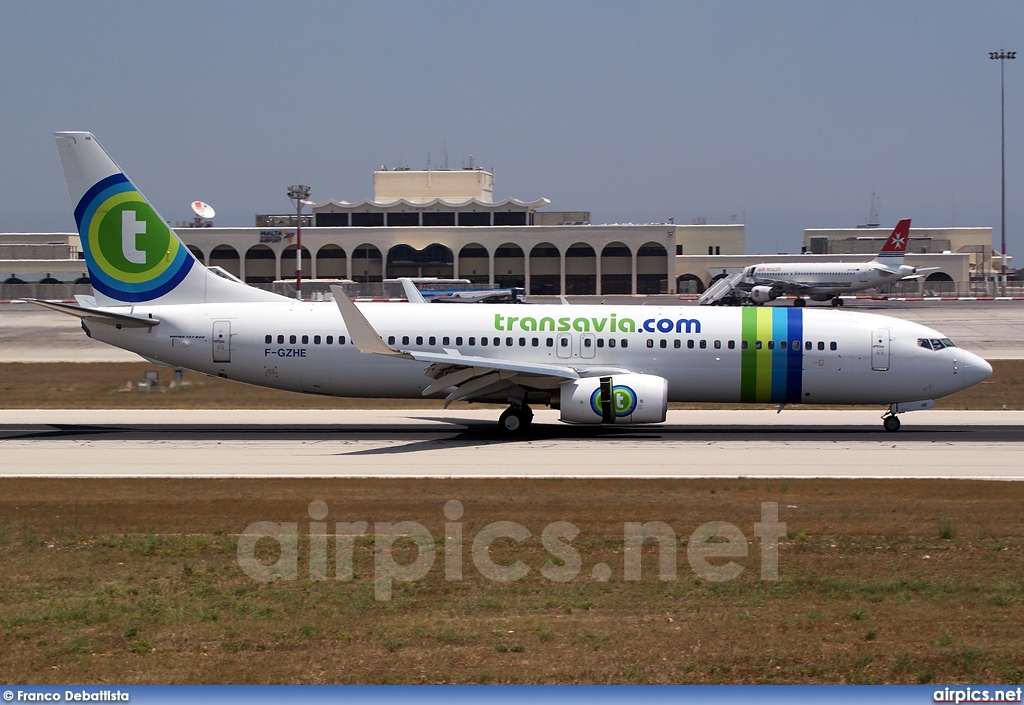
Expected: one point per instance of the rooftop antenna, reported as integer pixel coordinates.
(203, 213)
(446, 155)
(873, 214)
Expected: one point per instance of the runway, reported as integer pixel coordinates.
(466, 444)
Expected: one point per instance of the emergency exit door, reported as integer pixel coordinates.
(222, 341)
(880, 349)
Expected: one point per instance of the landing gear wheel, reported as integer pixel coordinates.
(891, 423)
(515, 420)
(799, 303)
(837, 302)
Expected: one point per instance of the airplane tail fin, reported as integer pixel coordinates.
(891, 254)
(132, 254)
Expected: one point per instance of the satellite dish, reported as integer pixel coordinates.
(203, 210)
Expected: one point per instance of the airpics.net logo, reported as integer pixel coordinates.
(712, 549)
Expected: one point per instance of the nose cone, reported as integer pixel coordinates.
(975, 369)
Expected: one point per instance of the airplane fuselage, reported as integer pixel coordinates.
(820, 279)
(778, 355)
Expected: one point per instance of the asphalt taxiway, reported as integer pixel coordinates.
(443, 444)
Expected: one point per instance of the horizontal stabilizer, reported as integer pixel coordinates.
(94, 314)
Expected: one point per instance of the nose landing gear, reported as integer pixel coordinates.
(891, 423)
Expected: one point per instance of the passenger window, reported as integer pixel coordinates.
(625, 343)
(833, 346)
(718, 345)
(472, 340)
(483, 341)
(677, 343)
(564, 342)
(522, 342)
(291, 340)
(330, 339)
(587, 343)
(690, 344)
(757, 345)
(341, 340)
(551, 342)
(732, 344)
(508, 342)
(305, 340)
(600, 342)
(808, 345)
(650, 343)
(269, 339)
(744, 344)
(405, 340)
(391, 340)
(821, 345)
(316, 340)
(419, 340)
(446, 341)
(611, 342)
(535, 342)
(703, 344)
(795, 345)
(771, 344)
(280, 340)
(783, 344)
(458, 340)
(431, 341)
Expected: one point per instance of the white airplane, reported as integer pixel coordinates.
(597, 364)
(824, 281)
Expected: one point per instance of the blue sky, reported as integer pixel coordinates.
(785, 115)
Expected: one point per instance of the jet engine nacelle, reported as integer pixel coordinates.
(762, 294)
(625, 398)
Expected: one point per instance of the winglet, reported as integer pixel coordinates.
(412, 294)
(364, 337)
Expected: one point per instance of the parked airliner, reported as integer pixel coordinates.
(597, 364)
(825, 280)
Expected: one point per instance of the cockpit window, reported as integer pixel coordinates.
(935, 343)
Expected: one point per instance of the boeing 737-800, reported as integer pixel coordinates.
(597, 364)
(822, 281)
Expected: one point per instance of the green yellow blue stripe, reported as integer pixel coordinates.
(773, 373)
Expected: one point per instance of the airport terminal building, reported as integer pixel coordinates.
(445, 224)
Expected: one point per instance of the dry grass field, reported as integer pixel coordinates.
(137, 581)
(67, 385)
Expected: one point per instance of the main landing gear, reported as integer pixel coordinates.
(837, 303)
(515, 420)
(799, 302)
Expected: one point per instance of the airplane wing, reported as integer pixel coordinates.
(472, 376)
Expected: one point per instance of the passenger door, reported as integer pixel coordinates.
(880, 349)
(222, 341)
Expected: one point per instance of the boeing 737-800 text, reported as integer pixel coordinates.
(597, 364)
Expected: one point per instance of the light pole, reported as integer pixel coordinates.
(299, 194)
(1002, 56)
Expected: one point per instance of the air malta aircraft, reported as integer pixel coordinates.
(823, 281)
(596, 364)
